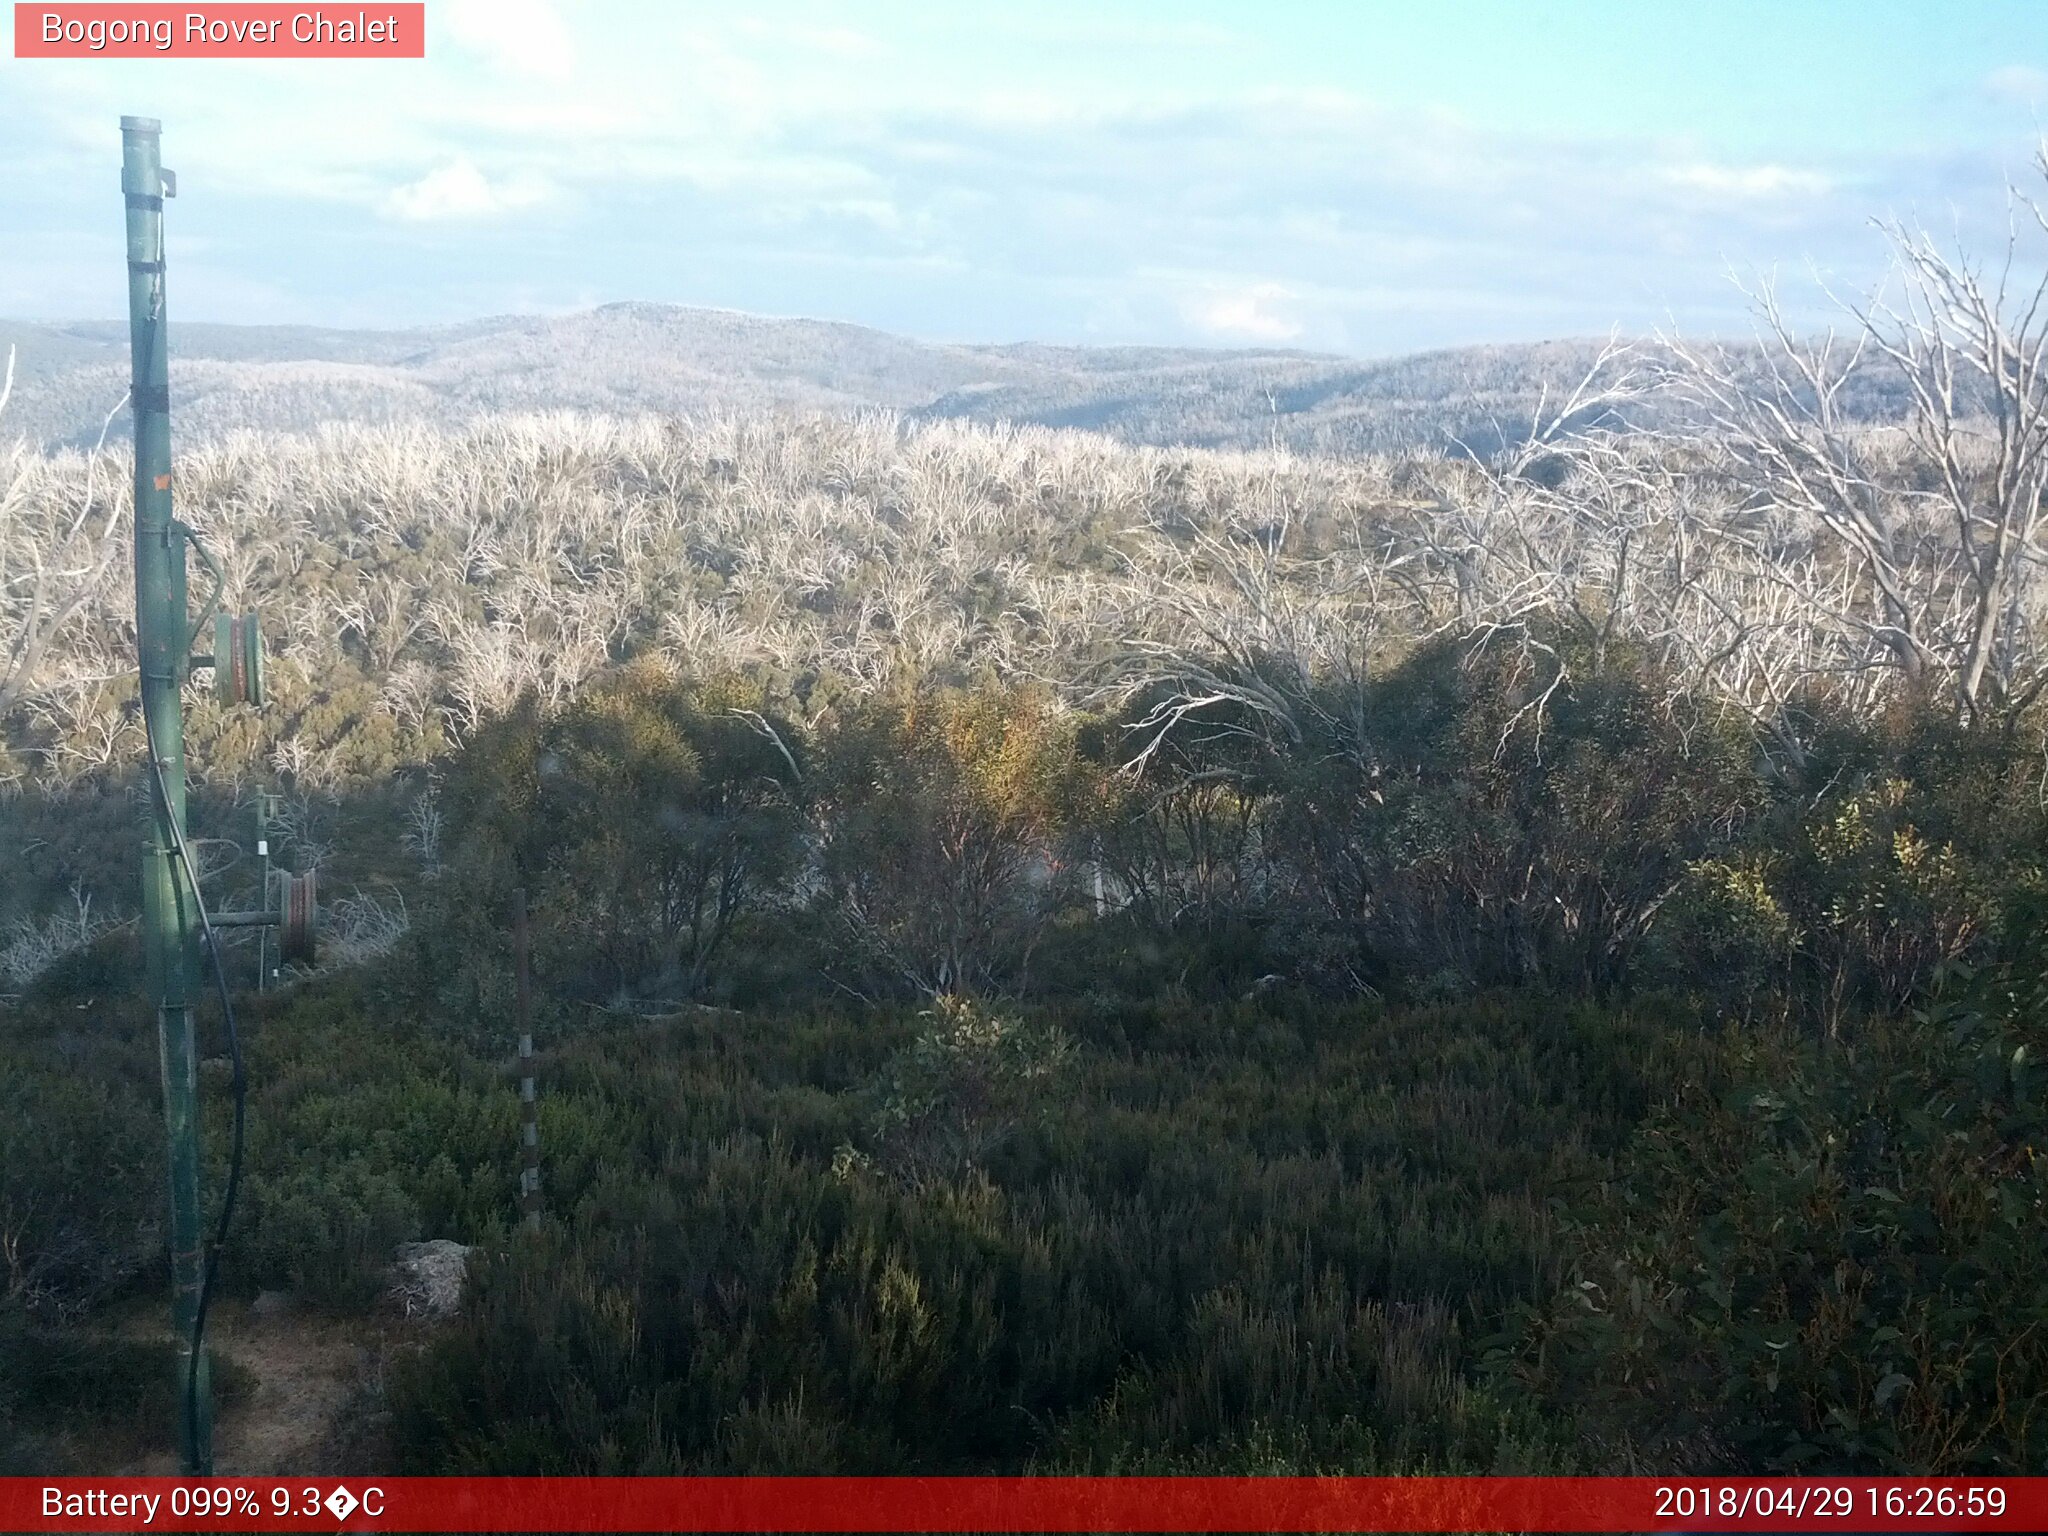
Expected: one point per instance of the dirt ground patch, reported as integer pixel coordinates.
(312, 1389)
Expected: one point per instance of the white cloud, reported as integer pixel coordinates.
(822, 169)
(2021, 83)
(1070, 31)
(1747, 181)
(458, 190)
(1248, 313)
(838, 42)
(525, 37)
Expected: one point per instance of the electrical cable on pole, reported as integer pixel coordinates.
(176, 924)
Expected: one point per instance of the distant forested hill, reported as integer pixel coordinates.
(629, 358)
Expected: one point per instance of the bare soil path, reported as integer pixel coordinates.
(309, 1385)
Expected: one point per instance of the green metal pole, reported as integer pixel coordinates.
(169, 924)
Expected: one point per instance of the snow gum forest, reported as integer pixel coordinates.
(1059, 950)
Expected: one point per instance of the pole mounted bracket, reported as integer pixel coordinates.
(237, 658)
(220, 581)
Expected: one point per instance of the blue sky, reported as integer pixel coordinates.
(1361, 177)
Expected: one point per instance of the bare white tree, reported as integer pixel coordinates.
(53, 558)
(1919, 550)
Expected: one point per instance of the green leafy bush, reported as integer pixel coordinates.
(942, 813)
(968, 1081)
(646, 820)
(1181, 1236)
(1830, 1258)
(80, 1164)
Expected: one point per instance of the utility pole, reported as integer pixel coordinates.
(173, 918)
(267, 805)
(529, 1131)
(169, 923)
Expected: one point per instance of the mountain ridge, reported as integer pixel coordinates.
(637, 356)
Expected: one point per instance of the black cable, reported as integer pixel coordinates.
(227, 1008)
(239, 1089)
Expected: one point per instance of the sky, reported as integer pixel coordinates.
(1362, 176)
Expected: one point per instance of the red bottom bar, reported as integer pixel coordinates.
(1431, 1504)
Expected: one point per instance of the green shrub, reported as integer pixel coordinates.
(1726, 935)
(969, 1080)
(60, 1384)
(1186, 1233)
(1831, 1258)
(943, 814)
(80, 1175)
(646, 820)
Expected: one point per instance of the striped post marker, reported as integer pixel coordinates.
(529, 1136)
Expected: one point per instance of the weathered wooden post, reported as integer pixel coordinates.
(529, 1173)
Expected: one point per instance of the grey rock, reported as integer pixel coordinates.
(427, 1278)
(270, 1304)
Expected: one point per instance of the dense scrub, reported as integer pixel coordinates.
(1052, 956)
(1448, 723)
(815, 1244)
(1828, 1260)
(1496, 1234)
(1658, 1145)
(736, 840)
(1094, 1236)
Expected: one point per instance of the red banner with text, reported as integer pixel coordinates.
(235, 31)
(1447, 1504)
